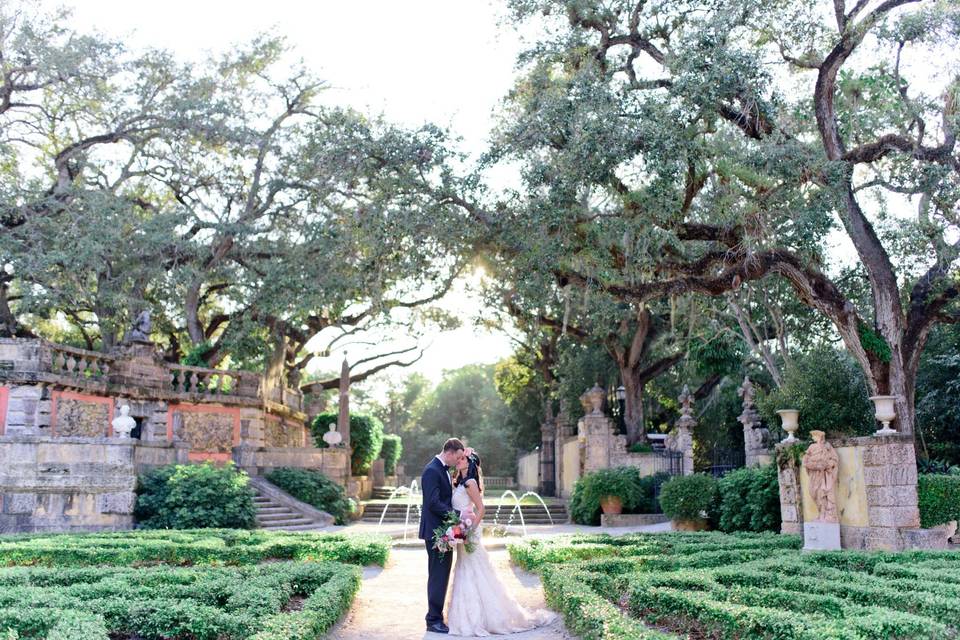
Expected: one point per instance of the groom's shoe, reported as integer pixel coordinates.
(438, 627)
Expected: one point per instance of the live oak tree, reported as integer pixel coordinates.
(690, 147)
(225, 195)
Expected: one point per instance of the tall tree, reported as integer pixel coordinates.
(667, 151)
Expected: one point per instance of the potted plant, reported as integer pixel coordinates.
(615, 489)
(688, 501)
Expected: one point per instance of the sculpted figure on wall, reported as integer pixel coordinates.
(822, 465)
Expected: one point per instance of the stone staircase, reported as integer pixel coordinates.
(275, 513)
(532, 514)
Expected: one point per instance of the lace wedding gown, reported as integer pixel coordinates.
(480, 604)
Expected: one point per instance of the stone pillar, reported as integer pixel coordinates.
(791, 513)
(343, 418)
(548, 458)
(596, 432)
(682, 440)
(139, 366)
(756, 439)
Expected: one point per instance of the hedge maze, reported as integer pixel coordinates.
(744, 586)
(196, 585)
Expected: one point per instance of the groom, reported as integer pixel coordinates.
(437, 490)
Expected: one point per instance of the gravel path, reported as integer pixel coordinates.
(393, 600)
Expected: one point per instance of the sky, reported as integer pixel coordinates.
(447, 62)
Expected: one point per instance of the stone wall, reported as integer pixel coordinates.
(569, 465)
(333, 463)
(528, 471)
(876, 492)
(65, 484)
(60, 467)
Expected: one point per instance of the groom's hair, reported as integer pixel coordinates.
(453, 444)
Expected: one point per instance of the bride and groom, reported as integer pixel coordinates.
(480, 604)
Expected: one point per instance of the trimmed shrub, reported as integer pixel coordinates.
(193, 496)
(689, 497)
(829, 389)
(314, 488)
(750, 500)
(209, 603)
(366, 438)
(179, 547)
(391, 451)
(939, 499)
(636, 493)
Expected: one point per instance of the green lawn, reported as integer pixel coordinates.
(711, 585)
(197, 585)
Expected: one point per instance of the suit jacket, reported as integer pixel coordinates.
(437, 494)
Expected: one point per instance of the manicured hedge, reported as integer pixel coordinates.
(939, 499)
(636, 493)
(750, 500)
(756, 586)
(391, 451)
(203, 546)
(190, 496)
(209, 603)
(689, 497)
(366, 438)
(314, 488)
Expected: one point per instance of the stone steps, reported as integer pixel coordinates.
(273, 516)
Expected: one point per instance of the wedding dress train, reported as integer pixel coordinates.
(480, 604)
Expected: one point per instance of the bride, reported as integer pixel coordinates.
(480, 604)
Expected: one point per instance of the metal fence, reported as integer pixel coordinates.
(724, 460)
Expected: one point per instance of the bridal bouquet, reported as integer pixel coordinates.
(456, 529)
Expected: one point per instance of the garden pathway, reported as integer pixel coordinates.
(393, 600)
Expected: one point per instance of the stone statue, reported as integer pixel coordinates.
(822, 465)
(123, 424)
(755, 437)
(140, 331)
(332, 437)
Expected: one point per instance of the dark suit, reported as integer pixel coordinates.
(437, 493)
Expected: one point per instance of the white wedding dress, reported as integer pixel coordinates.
(480, 604)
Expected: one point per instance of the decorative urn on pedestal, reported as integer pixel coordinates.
(885, 413)
(596, 396)
(790, 419)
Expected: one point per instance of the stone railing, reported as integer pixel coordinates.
(217, 382)
(79, 364)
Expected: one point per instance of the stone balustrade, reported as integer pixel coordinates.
(78, 364)
(216, 382)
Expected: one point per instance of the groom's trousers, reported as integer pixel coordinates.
(438, 577)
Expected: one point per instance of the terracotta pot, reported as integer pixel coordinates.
(689, 525)
(611, 505)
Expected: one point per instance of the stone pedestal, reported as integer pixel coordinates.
(821, 536)
(139, 366)
(876, 496)
(596, 432)
(378, 473)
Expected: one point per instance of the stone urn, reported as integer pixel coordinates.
(595, 397)
(700, 524)
(611, 505)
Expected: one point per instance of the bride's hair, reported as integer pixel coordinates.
(474, 471)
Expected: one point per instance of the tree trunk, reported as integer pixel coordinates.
(8, 322)
(633, 405)
(191, 308)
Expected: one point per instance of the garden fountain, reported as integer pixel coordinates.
(411, 493)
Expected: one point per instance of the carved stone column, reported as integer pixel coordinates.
(682, 440)
(756, 439)
(596, 432)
